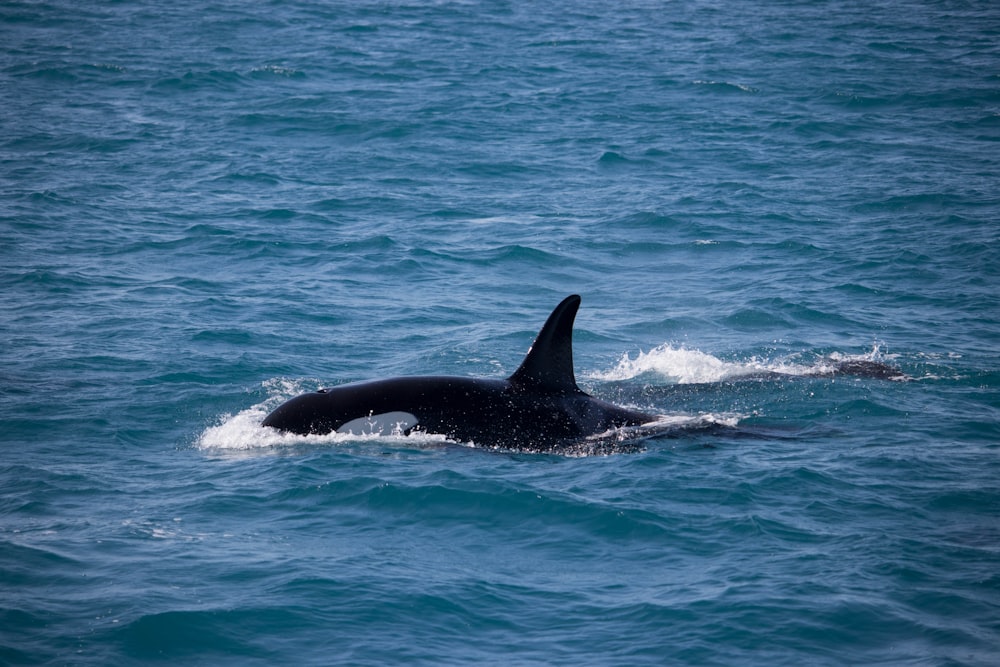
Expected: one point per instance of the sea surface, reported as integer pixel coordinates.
(208, 208)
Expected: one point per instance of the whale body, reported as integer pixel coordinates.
(538, 408)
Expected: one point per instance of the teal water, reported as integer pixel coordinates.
(205, 210)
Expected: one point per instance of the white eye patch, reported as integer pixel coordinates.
(387, 423)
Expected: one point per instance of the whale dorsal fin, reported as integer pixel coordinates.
(549, 363)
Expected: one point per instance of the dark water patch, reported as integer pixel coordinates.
(73, 142)
(757, 318)
(457, 214)
(52, 282)
(777, 312)
(29, 565)
(519, 255)
(284, 124)
(251, 177)
(202, 79)
(221, 633)
(50, 71)
(968, 500)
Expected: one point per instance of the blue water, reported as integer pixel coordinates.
(207, 209)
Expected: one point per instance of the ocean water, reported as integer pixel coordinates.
(206, 209)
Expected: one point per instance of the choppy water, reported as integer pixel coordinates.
(205, 210)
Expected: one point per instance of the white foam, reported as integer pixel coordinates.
(680, 365)
(244, 432)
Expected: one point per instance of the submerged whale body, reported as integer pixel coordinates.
(538, 408)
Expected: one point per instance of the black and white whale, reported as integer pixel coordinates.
(538, 408)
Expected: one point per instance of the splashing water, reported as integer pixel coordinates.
(681, 365)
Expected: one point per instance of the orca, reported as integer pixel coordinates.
(539, 408)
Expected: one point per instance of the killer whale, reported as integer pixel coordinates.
(538, 408)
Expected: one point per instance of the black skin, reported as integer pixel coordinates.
(538, 408)
(489, 413)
